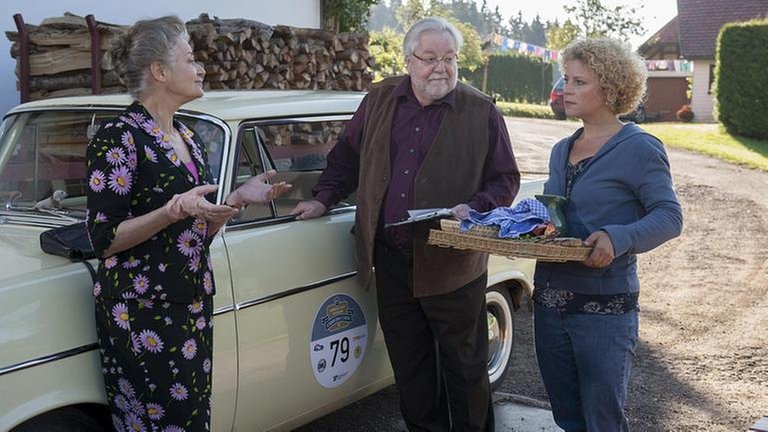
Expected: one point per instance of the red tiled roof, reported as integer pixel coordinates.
(700, 22)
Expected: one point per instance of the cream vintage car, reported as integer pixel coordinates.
(296, 337)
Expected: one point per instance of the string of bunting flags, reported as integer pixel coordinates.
(509, 44)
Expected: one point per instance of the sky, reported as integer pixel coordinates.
(654, 14)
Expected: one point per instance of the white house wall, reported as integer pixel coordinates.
(297, 13)
(702, 102)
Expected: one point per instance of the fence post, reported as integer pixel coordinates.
(95, 54)
(23, 57)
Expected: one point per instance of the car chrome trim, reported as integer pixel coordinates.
(269, 221)
(49, 358)
(224, 309)
(290, 292)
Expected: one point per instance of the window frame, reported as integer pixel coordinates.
(267, 160)
(91, 109)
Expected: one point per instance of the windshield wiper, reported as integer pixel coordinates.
(9, 197)
(49, 206)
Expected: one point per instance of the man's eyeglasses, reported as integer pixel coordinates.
(449, 60)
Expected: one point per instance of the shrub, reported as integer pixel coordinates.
(685, 113)
(514, 77)
(740, 85)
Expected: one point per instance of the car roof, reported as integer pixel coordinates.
(227, 105)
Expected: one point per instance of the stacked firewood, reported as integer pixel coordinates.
(60, 57)
(236, 53)
(244, 54)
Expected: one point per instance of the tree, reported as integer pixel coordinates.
(537, 33)
(409, 13)
(347, 15)
(597, 20)
(382, 16)
(386, 47)
(471, 56)
(517, 26)
(559, 36)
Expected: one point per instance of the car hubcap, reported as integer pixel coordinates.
(499, 334)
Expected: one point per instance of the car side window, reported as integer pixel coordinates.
(212, 136)
(299, 150)
(44, 152)
(251, 161)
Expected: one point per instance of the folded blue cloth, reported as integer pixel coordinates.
(512, 221)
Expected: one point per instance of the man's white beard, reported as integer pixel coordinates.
(439, 89)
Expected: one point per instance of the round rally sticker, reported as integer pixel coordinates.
(339, 336)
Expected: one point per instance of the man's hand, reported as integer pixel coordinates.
(602, 253)
(257, 190)
(461, 211)
(309, 210)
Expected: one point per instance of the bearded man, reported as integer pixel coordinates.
(425, 141)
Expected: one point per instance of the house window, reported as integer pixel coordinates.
(711, 78)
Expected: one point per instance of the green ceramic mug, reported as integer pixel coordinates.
(556, 206)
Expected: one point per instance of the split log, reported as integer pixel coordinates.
(236, 54)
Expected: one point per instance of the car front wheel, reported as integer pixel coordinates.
(69, 419)
(500, 333)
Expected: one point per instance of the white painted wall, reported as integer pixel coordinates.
(702, 103)
(297, 13)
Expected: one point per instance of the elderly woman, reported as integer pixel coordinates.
(151, 226)
(621, 201)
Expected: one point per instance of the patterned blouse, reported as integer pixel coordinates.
(575, 303)
(133, 170)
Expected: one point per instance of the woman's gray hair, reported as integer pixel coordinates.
(435, 24)
(146, 42)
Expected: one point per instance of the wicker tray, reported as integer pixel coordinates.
(486, 239)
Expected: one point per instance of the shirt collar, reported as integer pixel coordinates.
(404, 90)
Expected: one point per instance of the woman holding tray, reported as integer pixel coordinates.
(619, 200)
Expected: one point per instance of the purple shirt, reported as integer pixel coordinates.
(413, 130)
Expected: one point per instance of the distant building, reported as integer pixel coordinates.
(699, 23)
(668, 75)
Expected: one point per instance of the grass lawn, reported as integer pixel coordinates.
(515, 109)
(711, 139)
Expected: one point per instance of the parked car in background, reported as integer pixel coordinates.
(296, 337)
(556, 101)
(558, 106)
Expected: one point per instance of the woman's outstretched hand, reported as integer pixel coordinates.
(257, 191)
(192, 203)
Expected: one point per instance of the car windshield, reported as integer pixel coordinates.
(42, 153)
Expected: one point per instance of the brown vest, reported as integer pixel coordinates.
(451, 174)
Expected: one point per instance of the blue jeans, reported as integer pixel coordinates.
(585, 361)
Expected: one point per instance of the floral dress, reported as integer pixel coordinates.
(154, 305)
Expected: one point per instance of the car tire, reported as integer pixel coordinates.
(560, 116)
(69, 419)
(499, 309)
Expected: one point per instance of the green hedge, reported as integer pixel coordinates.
(514, 78)
(740, 85)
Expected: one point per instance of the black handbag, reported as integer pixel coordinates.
(69, 241)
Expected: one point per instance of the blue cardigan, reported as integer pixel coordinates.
(625, 190)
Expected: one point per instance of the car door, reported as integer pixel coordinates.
(216, 136)
(308, 334)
